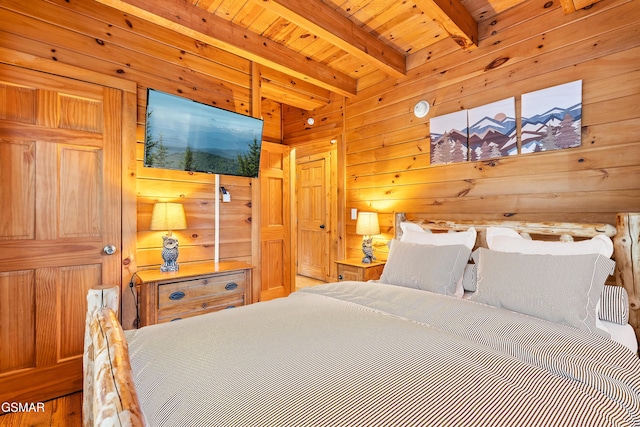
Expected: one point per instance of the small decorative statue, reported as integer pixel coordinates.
(367, 249)
(169, 253)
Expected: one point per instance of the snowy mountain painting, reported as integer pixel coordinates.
(492, 130)
(449, 138)
(552, 118)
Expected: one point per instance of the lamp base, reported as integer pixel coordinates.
(368, 260)
(367, 250)
(169, 267)
(169, 254)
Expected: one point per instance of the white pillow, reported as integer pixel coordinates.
(410, 226)
(413, 233)
(508, 240)
(466, 238)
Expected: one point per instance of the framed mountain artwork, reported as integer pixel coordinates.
(449, 138)
(492, 130)
(552, 118)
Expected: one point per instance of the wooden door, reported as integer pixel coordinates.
(313, 223)
(275, 222)
(60, 196)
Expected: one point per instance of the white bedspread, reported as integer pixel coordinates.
(368, 354)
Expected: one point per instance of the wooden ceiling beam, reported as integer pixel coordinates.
(321, 20)
(568, 6)
(453, 18)
(185, 18)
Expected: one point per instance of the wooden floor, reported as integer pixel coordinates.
(303, 282)
(65, 411)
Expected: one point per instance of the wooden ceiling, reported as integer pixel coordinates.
(309, 48)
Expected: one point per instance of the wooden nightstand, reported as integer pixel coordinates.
(194, 289)
(354, 269)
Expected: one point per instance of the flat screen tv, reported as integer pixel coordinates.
(182, 134)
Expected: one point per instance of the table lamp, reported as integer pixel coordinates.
(366, 226)
(168, 216)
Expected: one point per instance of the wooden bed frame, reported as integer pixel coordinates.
(109, 392)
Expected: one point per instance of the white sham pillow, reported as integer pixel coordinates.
(412, 235)
(508, 240)
(410, 226)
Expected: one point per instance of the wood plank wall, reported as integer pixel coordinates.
(95, 37)
(528, 48)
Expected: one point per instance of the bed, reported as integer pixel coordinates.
(416, 348)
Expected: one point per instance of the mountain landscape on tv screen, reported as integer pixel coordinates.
(186, 135)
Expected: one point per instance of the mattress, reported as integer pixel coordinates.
(367, 354)
(623, 334)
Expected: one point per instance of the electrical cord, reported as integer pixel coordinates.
(135, 298)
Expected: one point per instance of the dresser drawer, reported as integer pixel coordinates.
(178, 300)
(187, 291)
(199, 306)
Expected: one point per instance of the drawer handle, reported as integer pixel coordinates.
(176, 295)
(231, 286)
(177, 318)
(229, 306)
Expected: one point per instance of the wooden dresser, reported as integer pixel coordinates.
(194, 289)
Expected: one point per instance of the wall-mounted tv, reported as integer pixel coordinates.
(182, 134)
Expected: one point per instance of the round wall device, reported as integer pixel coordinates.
(310, 121)
(421, 109)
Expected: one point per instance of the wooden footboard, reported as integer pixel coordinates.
(109, 396)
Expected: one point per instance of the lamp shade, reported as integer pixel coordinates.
(367, 224)
(168, 216)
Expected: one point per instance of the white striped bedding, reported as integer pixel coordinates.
(369, 354)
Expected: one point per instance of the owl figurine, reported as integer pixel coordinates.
(367, 250)
(169, 253)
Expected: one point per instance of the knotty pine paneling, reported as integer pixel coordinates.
(388, 173)
(527, 48)
(272, 116)
(95, 37)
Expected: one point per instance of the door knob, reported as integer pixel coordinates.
(109, 250)
(322, 226)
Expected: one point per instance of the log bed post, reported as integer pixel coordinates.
(627, 248)
(109, 395)
(97, 298)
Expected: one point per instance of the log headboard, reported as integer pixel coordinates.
(625, 234)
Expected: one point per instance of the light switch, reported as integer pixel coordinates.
(354, 213)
